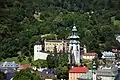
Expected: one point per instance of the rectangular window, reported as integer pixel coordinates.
(71, 47)
(37, 50)
(77, 48)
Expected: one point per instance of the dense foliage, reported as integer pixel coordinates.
(23, 21)
(26, 74)
(40, 63)
(2, 76)
(60, 62)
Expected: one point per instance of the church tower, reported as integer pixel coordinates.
(74, 48)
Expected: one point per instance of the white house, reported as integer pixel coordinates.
(38, 54)
(108, 55)
(89, 56)
(106, 73)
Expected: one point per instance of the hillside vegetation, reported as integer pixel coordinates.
(23, 21)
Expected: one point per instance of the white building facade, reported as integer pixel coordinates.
(106, 73)
(89, 56)
(38, 54)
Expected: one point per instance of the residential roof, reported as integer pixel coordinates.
(115, 50)
(56, 40)
(107, 71)
(38, 43)
(108, 54)
(90, 54)
(9, 75)
(79, 70)
(24, 66)
(8, 65)
(45, 75)
(49, 71)
(87, 76)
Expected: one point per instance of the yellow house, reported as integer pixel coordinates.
(61, 45)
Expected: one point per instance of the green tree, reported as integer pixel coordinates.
(26, 74)
(62, 69)
(40, 63)
(62, 72)
(2, 75)
(20, 29)
(50, 61)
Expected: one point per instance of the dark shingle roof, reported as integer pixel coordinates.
(49, 71)
(8, 65)
(9, 75)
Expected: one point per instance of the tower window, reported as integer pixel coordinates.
(77, 48)
(71, 47)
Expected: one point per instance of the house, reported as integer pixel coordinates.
(89, 56)
(77, 72)
(87, 76)
(38, 54)
(106, 73)
(9, 69)
(60, 45)
(24, 66)
(8, 65)
(10, 75)
(117, 77)
(47, 74)
(115, 50)
(49, 71)
(108, 55)
(118, 38)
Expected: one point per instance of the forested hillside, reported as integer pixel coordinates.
(23, 21)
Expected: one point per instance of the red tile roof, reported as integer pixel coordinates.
(90, 54)
(24, 66)
(79, 70)
(115, 50)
